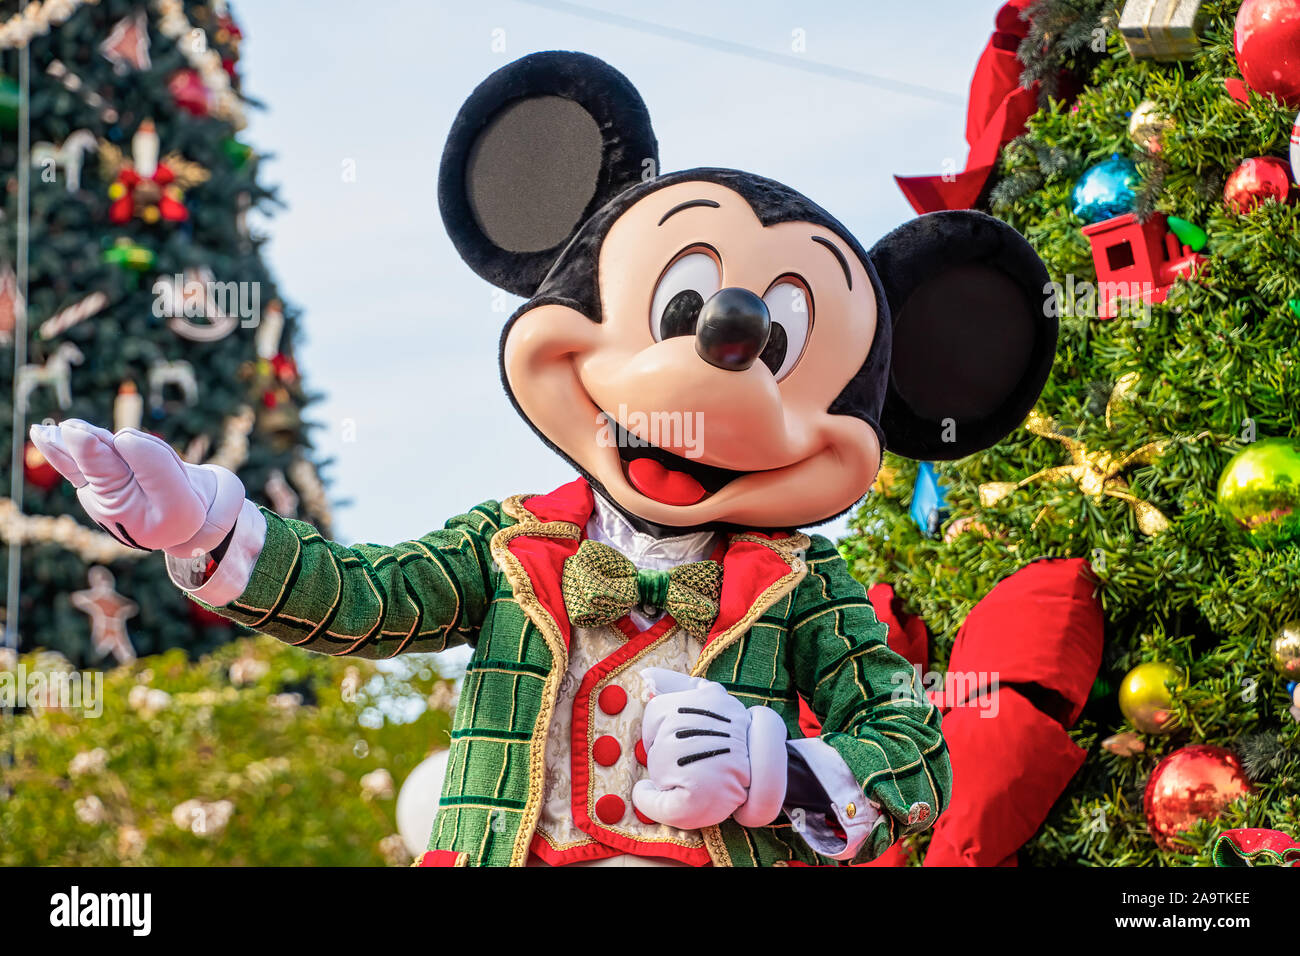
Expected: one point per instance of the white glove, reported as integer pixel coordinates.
(138, 489)
(709, 757)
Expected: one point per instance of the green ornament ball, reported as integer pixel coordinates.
(1146, 696)
(1260, 490)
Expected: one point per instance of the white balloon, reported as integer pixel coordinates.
(417, 802)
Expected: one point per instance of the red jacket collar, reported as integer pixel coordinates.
(573, 502)
(753, 563)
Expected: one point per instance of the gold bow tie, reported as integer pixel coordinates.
(600, 586)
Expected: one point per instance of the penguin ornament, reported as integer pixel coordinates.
(722, 363)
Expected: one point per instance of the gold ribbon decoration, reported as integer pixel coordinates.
(1097, 473)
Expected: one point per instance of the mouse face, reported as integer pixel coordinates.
(703, 394)
(710, 348)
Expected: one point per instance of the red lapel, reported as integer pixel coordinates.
(542, 556)
(749, 568)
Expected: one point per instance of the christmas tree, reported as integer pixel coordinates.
(132, 293)
(1178, 278)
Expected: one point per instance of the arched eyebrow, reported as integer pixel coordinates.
(844, 263)
(687, 205)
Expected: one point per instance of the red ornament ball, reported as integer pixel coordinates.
(37, 470)
(1190, 785)
(1268, 48)
(1257, 180)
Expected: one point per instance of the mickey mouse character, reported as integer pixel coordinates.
(722, 362)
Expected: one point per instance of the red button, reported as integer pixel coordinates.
(643, 818)
(610, 809)
(640, 753)
(612, 699)
(607, 750)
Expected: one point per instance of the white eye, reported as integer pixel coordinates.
(790, 306)
(680, 294)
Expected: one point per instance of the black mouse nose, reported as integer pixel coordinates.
(732, 329)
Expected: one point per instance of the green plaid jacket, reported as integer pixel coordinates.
(796, 624)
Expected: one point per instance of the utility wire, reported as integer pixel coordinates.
(754, 53)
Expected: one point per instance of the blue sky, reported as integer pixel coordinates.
(400, 336)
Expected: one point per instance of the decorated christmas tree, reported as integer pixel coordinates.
(132, 293)
(1161, 467)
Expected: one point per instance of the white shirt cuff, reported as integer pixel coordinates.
(857, 815)
(235, 568)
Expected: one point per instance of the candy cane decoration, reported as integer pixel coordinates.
(78, 312)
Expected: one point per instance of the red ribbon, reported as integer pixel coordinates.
(999, 107)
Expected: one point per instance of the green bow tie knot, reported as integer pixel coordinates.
(600, 586)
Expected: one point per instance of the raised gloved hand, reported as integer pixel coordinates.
(138, 489)
(709, 757)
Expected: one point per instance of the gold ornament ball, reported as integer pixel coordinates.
(1146, 696)
(1260, 490)
(1148, 126)
(1286, 651)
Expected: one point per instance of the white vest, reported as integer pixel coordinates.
(606, 700)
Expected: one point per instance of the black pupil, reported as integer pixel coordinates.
(680, 314)
(773, 353)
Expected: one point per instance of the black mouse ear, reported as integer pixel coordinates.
(540, 146)
(974, 333)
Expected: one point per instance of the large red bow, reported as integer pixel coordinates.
(998, 109)
(1036, 638)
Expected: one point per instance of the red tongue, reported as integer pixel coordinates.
(669, 487)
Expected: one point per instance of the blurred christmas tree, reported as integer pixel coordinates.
(1161, 201)
(147, 300)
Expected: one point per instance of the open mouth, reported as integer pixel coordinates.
(666, 477)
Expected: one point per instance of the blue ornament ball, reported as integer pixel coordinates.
(1106, 190)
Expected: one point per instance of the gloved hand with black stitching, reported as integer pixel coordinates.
(138, 489)
(709, 756)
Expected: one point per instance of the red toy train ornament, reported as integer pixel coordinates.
(1137, 261)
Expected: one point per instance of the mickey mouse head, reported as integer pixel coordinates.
(710, 348)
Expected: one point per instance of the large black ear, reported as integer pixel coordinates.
(974, 333)
(540, 146)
